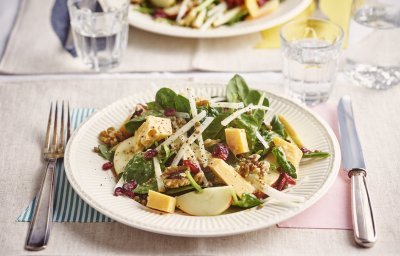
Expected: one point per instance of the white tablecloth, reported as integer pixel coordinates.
(24, 103)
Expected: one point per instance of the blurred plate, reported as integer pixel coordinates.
(287, 10)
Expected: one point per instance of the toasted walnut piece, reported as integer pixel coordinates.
(175, 177)
(111, 136)
(251, 165)
(201, 102)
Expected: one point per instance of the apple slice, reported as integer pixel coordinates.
(123, 153)
(212, 201)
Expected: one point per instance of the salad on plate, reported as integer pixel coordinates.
(205, 14)
(205, 155)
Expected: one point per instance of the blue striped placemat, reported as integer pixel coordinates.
(68, 206)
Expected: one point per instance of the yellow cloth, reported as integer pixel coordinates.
(336, 10)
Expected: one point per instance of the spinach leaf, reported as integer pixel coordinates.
(247, 201)
(154, 106)
(278, 127)
(282, 162)
(213, 112)
(138, 169)
(250, 124)
(132, 125)
(106, 152)
(259, 147)
(253, 97)
(179, 191)
(166, 98)
(237, 89)
(316, 154)
(181, 104)
(144, 188)
(215, 130)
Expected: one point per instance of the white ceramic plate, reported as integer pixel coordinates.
(83, 169)
(287, 10)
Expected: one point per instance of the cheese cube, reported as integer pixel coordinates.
(292, 152)
(228, 174)
(153, 129)
(161, 202)
(236, 140)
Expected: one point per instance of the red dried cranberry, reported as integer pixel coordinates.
(221, 151)
(118, 191)
(130, 185)
(107, 166)
(305, 150)
(128, 193)
(159, 13)
(260, 195)
(289, 179)
(149, 154)
(169, 112)
(261, 2)
(234, 3)
(194, 169)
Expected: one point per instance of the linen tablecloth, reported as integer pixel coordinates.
(24, 105)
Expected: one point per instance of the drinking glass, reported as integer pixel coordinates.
(311, 50)
(100, 31)
(373, 56)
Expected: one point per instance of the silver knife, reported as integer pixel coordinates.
(353, 162)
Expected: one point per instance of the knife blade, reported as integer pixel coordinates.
(353, 162)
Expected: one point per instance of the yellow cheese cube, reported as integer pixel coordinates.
(153, 129)
(161, 202)
(292, 152)
(236, 140)
(228, 174)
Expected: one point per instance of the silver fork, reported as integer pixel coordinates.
(39, 228)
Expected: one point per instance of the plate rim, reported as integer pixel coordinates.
(183, 32)
(312, 200)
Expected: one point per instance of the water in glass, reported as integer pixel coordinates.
(100, 37)
(374, 62)
(309, 70)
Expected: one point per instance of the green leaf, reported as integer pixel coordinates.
(253, 97)
(106, 152)
(278, 127)
(237, 89)
(282, 162)
(250, 124)
(138, 169)
(179, 191)
(151, 184)
(316, 154)
(182, 104)
(154, 106)
(215, 130)
(166, 98)
(247, 201)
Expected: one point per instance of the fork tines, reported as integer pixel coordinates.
(55, 141)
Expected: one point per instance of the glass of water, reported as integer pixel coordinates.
(311, 50)
(100, 31)
(373, 55)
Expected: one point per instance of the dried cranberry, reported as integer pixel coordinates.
(118, 191)
(194, 169)
(159, 13)
(261, 2)
(260, 195)
(221, 151)
(169, 112)
(149, 154)
(289, 179)
(234, 3)
(130, 185)
(107, 166)
(305, 150)
(129, 193)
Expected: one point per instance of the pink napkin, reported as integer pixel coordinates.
(333, 210)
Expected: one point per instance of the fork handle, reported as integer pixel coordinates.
(39, 228)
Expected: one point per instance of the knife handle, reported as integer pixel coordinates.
(363, 219)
